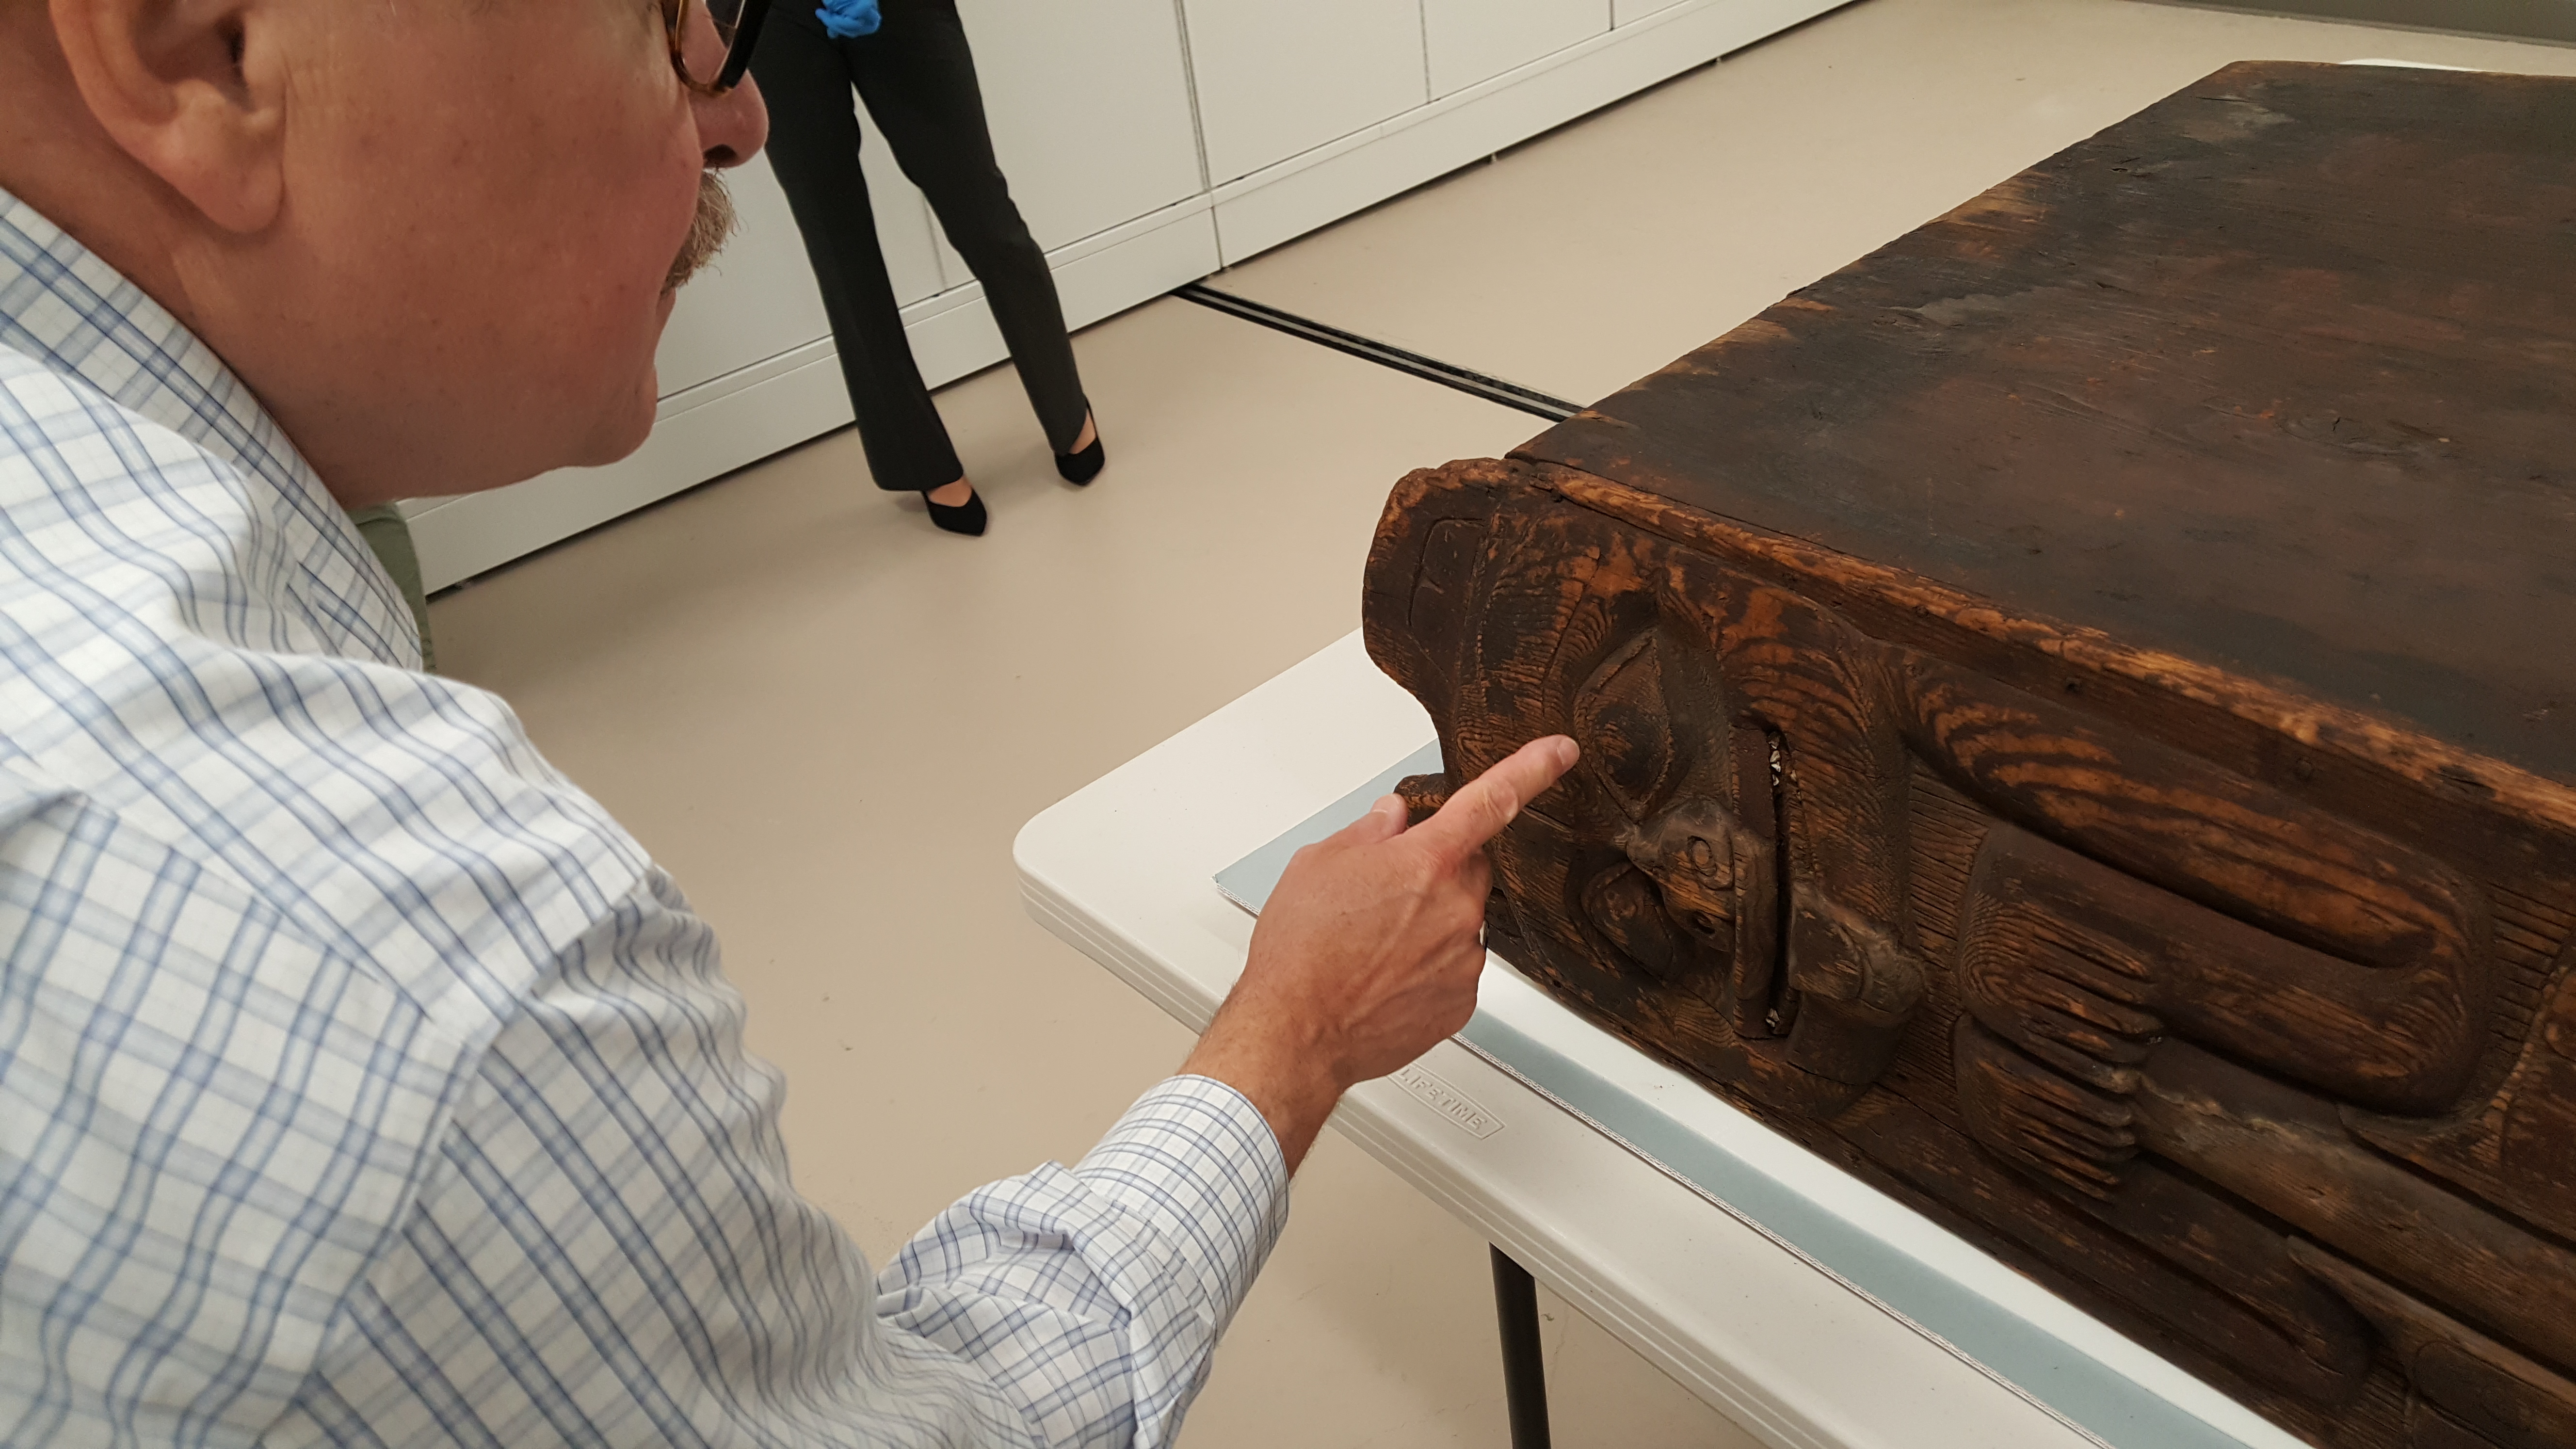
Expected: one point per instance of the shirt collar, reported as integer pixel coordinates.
(74, 314)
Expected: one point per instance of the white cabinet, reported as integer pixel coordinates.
(1090, 110)
(1473, 40)
(1624, 11)
(1276, 79)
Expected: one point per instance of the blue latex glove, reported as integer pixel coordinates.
(848, 19)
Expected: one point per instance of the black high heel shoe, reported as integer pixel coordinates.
(1080, 468)
(966, 518)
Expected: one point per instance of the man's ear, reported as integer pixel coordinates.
(193, 89)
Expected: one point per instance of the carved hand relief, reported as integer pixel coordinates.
(2291, 1096)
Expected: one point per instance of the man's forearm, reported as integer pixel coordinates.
(1275, 1067)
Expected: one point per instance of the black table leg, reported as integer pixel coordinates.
(1524, 1372)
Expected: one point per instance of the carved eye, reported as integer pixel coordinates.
(1624, 729)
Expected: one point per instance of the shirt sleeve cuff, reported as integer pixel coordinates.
(1198, 1161)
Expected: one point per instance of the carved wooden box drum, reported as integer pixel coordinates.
(2079, 726)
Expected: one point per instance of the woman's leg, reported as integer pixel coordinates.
(918, 78)
(814, 147)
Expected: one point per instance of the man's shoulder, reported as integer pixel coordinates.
(65, 433)
(385, 815)
(160, 666)
(136, 476)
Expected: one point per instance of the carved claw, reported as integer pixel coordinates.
(2038, 976)
(2074, 1003)
(2047, 1124)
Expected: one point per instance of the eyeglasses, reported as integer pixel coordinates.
(737, 24)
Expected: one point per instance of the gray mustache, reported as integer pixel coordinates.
(709, 230)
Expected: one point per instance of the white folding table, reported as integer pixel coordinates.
(1123, 870)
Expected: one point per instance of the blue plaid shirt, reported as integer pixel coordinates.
(361, 1082)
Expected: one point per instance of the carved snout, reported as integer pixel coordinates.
(1699, 858)
(1715, 880)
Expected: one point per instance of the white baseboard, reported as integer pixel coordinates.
(1315, 188)
(738, 419)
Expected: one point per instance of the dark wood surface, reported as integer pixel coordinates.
(2276, 375)
(2073, 731)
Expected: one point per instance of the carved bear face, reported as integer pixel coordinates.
(1652, 881)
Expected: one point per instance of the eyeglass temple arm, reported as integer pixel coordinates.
(746, 34)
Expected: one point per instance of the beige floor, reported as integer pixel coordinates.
(829, 720)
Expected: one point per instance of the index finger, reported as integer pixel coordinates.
(1480, 809)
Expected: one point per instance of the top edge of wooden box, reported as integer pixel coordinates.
(2278, 375)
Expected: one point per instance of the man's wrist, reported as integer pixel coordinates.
(1290, 1081)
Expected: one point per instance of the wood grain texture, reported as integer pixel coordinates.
(2275, 375)
(2126, 816)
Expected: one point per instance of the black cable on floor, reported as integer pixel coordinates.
(1430, 369)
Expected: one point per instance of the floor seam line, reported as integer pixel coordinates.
(1384, 354)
